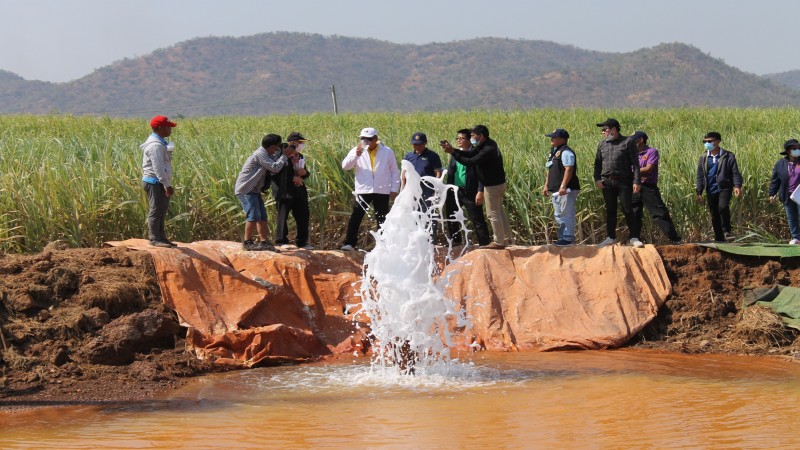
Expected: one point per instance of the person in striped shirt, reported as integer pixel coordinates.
(264, 161)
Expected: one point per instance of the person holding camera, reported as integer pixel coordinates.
(289, 189)
(265, 160)
(377, 181)
(469, 193)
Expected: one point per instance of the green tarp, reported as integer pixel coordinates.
(773, 250)
(783, 300)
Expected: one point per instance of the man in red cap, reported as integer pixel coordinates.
(157, 178)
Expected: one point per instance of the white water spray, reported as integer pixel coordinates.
(406, 306)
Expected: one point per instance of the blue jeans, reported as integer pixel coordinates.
(791, 217)
(253, 206)
(564, 210)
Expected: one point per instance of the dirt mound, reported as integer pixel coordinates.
(89, 325)
(705, 314)
(73, 321)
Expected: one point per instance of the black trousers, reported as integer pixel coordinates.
(474, 214)
(719, 205)
(298, 207)
(650, 197)
(362, 201)
(622, 190)
(158, 204)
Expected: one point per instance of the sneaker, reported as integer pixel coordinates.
(636, 243)
(794, 242)
(249, 245)
(162, 244)
(493, 246)
(607, 241)
(307, 247)
(286, 246)
(348, 248)
(729, 237)
(563, 243)
(265, 246)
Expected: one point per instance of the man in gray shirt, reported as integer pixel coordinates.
(267, 159)
(616, 173)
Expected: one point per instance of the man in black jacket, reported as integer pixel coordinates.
(487, 159)
(470, 194)
(718, 174)
(616, 156)
(289, 189)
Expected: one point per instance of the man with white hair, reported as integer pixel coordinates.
(377, 181)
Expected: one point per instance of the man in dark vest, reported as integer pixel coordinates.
(562, 185)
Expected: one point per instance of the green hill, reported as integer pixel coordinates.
(291, 73)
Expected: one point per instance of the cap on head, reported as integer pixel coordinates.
(419, 138)
(558, 133)
(639, 135)
(270, 140)
(610, 123)
(368, 133)
(161, 121)
(295, 136)
(713, 135)
(789, 144)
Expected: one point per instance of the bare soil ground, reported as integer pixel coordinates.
(83, 326)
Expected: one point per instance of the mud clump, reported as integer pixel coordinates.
(705, 312)
(87, 325)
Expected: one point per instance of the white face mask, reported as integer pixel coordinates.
(795, 152)
(366, 142)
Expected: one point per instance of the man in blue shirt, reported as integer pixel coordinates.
(718, 174)
(425, 162)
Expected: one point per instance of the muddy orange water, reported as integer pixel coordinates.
(600, 399)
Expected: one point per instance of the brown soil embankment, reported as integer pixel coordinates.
(89, 326)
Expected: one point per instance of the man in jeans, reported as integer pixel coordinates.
(486, 157)
(616, 156)
(562, 185)
(157, 178)
(265, 160)
(718, 174)
(649, 195)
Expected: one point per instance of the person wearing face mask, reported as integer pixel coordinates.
(291, 196)
(377, 181)
(616, 173)
(486, 157)
(562, 185)
(785, 179)
(469, 193)
(649, 196)
(718, 175)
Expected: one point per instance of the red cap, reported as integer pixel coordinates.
(161, 121)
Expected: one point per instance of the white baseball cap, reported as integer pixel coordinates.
(368, 133)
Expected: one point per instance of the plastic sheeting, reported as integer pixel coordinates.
(254, 308)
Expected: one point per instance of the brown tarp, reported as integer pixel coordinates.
(547, 298)
(253, 308)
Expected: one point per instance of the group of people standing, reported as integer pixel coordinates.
(625, 170)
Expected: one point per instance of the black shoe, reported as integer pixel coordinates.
(249, 245)
(162, 244)
(563, 243)
(265, 246)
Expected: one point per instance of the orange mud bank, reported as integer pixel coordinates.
(92, 325)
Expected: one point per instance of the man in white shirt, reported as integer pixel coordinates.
(157, 178)
(377, 181)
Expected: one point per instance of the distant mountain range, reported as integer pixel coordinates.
(278, 73)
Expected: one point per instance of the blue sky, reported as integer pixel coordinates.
(60, 40)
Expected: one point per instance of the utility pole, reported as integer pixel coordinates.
(333, 96)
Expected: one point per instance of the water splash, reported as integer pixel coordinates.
(400, 294)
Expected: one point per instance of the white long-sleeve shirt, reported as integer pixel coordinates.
(383, 179)
(156, 161)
